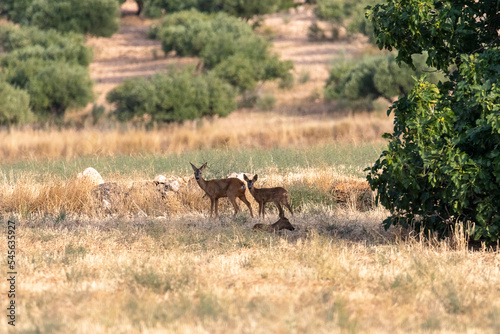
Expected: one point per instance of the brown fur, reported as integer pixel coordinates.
(231, 188)
(278, 195)
(282, 224)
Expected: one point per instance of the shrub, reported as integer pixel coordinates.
(175, 96)
(29, 42)
(48, 66)
(14, 105)
(187, 32)
(266, 102)
(15, 10)
(227, 45)
(332, 10)
(374, 77)
(238, 8)
(53, 86)
(350, 14)
(95, 17)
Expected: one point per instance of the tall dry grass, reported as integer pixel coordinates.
(239, 130)
(56, 195)
(339, 272)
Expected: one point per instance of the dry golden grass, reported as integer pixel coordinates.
(339, 272)
(239, 130)
(149, 265)
(58, 196)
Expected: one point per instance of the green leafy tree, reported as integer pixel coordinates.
(227, 45)
(15, 10)
(52, 68)
(442, 164)
(374, 77)
(95, 17)
(26, 42)
(14, 105)
(53, 86)
(175, 96)
(185, 32)
(239, 8)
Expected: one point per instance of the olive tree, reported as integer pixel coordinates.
(442, 163)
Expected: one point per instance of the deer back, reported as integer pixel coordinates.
(268, 194)
(217, 188)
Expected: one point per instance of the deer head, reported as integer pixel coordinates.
(197, 171)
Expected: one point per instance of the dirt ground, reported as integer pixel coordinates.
(129, 53)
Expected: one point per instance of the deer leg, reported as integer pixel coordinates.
(216, 203)
(260, 209)
(244, 200)
(211, 207)
(280, 209)
(235, 205)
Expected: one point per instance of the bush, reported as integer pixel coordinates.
(331, 10)
(95, 17)
(15, 10)
(14, 105)
(374, 77)
(48, 66)
(238, 8)
(29, 42)
(175, 96)
(186, 33)
(227, 45)
(53, 86)
(350, 14)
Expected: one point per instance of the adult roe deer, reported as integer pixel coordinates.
(282, 224)
(215, 189)
(278, 195)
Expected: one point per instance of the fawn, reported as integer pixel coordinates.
(277, 195)
(282, 224)
(215, 189)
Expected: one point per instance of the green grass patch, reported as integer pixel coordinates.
(349, 158)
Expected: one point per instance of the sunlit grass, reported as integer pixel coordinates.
(339, 272)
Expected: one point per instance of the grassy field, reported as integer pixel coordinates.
(352, 158)
(164, 266)
(339, 273)
(152, 264)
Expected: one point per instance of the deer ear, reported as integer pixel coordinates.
(194, 168)
(204, 166)
(255, 177)
(245, 178)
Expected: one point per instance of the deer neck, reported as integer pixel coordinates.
(253, 191)
(203, 184)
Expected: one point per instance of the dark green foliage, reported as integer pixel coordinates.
(14, 105)
(348, 13)
(175, 96)
(227, 46)
(445, 29)
(28, 42)
(239, 8)
(48, 66)
(186, 32)
(95, 17)
(334, 10)
(374, 77)
(442, 163)
(154, 8)
(53, 86)
(15, 10)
